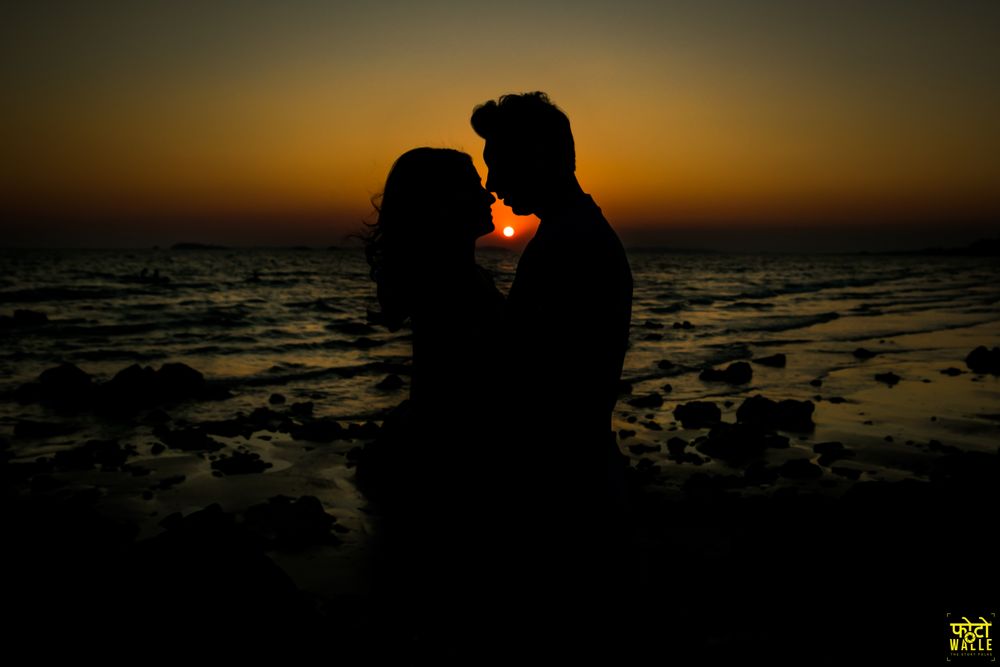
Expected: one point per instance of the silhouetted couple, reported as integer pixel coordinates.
(500, 480)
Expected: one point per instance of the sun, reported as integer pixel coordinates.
(508, 231)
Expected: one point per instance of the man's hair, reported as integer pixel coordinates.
(528, 120)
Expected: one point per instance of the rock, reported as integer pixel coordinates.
(774, 361)
(187, 439)
(862, 353)
(676, 446)
(787, 415)
(736, 373)
(177, 381)
(240, 463)
(665, 364)
(276, 399)
(65, 386)
(698, 414)
(837, 400)
(952, 371)
(800, 469)
(652, 400)
(831, 452)
(301, 409)
(816, 383)
(391, 382)
(889, 378)
(320, 430)
(667, 388)
(739, 442)
(625, 434)
(938, 447)
(639, 450)
(982, 360)
(652, 426)
(650, 324)
(852, 474)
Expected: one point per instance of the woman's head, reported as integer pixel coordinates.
(431, 211)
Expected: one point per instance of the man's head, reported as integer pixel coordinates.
(529, 149)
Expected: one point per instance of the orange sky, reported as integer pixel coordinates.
(288, 118)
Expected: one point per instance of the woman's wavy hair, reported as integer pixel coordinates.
(418, 190)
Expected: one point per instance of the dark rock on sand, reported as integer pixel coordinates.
(831, 452)
(939, 447)
(676, 446)
(698, 414)
(640, 449)
(736, 373)
(739, 442)
(320, 430)
(240, 463)
(187, 439)
(63, 386)
(816, 383)
(983, 360)
(952, 371)
(652, 337)
(853, 474)
(290, 524)
(786, 415)
(652, 400)
(390, 383)
(774, 361)
(862, 353)
(889, 378)
(625, 434)
(800, 469)
(276, 399)
(664, 364)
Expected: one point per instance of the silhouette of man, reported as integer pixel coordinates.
(569, 307)
(567, 318)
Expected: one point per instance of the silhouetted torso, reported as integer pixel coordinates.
(568, 316)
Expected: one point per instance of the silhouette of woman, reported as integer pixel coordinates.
(425, 473)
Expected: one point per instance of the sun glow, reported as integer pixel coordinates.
(508, 231)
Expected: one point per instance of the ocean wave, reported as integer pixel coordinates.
(782, 323)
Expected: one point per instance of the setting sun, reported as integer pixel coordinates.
(508, 231)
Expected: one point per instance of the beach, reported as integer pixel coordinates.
(812, 442)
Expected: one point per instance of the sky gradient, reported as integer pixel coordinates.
(248, 122)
